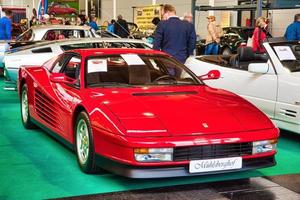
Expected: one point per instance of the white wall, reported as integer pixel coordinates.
(125, 8)
(280, 19)
(28, 4)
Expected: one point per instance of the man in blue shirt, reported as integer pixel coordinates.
(5, 26)
(293, 30)
(174, 36)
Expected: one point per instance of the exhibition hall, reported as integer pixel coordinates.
(150, 99)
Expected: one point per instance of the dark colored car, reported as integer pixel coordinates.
(232, 39)
(61, 9)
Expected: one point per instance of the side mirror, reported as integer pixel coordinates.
(259, 68)
(212, 74)
(60, 78)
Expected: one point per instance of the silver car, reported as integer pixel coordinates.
(39, 53)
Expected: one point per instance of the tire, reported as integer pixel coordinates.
(226, 51)
(25, 115)
(84, 144)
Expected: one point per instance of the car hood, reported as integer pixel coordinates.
(184, 111)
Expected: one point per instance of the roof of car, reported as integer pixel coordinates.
(77, 41)
(102, 51)
(67, 27)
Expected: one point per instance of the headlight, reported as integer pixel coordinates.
(153, 154)
(264, 146)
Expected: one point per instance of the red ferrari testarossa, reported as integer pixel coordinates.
(142, 114)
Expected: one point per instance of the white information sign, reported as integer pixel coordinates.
(132, 59)
(97, 65)
(284, 53)
(220, 164)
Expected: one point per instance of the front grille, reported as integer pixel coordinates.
(212, 151)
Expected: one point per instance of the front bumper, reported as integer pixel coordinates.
(140, 172)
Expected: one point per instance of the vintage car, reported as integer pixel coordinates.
(271, 82)
(51, 32)
(39, 53)
(142, 114)
(37, 34)
(56, 8)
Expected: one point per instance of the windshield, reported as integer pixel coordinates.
(127, 70)
(27, 35)
(289, 55)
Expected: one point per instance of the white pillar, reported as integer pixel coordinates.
(211, 3)
(153, 2)
(86, 7)
(115, 8)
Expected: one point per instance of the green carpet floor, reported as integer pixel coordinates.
(35, 166)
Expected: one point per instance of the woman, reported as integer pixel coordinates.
(259, 35)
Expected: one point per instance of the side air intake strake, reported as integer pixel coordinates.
(45, 109)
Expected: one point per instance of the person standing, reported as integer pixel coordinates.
(33, 21)
(293, 30)
(173, 35)
(259, 35)
(111, 26)
(213, 36)
(5, 26)
(93, 23)
(188, 17)
(121, 27)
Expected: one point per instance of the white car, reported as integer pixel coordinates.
(47, 32)
(52, 32)
(271, 81)
(39, 53)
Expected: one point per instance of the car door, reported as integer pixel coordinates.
(53, 100)
(67, 94)
(259, 89)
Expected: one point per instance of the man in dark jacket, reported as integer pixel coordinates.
(174, 36)
(5, 26)
(121, 27)
(293, 30)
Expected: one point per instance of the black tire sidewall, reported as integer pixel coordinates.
(89, 166)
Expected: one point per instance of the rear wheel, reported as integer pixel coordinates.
(84, 143)
(25, 115)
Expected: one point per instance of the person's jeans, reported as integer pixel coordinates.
(212, 49)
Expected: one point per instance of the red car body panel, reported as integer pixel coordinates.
(57, 10)
(144, 117)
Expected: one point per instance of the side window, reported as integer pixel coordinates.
(72, 68)
(50, 35)
(60, 63)
(80, 33)
(27, 35)
(78, 46)
(42, 50)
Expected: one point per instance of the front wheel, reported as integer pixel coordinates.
(84, 143)
(25, 115)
